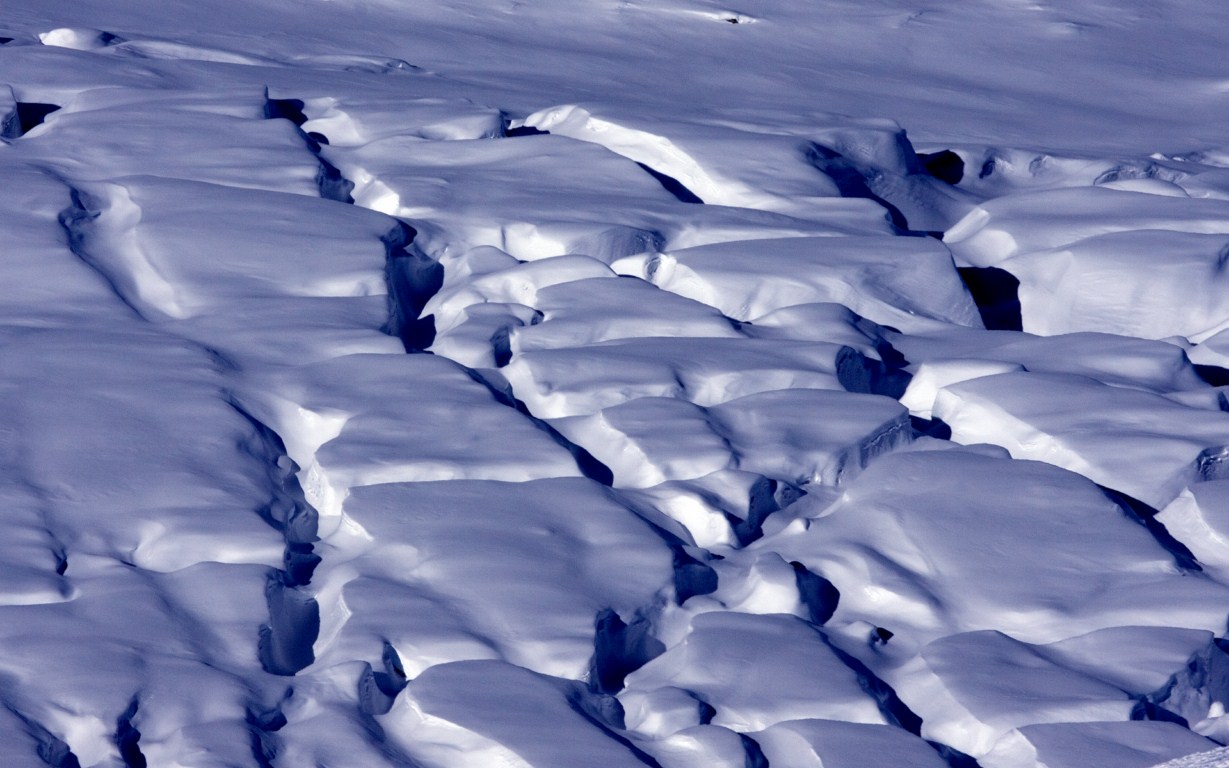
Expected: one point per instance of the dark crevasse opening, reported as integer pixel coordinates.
(285, 645)
(51, 749)
(377, 690)
(605, 713)
(1212, 374)
(945, 165)
(932, 427)
(501, 346)
(1185, 695)
(858, 373)
(692, 574)
(287, 109)
(1213, 462)
(765, 497)
(890, 355)
(263, 726)
(1144, 709)
(412, 278)
(819, 595)
(997, 295)
(127, 738)
(850, 182)
(755, 757)
(672, 185)
(692, 577)
(894, 710)
(1145, 515)
(31, 114)
(329, 180)
(619, 649)
(26, 116)
(299, 561)
(954, 757)
(332, 184)
(587, 463)
(285, 641)
(287, 509)
(524, 130)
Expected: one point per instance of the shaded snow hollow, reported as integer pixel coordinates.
(508, 384)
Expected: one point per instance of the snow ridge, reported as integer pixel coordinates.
(360, 412)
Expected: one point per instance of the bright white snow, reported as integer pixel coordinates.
(654, 382)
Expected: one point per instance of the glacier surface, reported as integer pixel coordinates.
(648, 382)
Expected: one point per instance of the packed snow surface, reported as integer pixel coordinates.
(820, 384)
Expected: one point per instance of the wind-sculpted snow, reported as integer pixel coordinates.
(1139, 443)
(663, 384)
(900, 281)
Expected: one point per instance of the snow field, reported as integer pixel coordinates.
(351, 419)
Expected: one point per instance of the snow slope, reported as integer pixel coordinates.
(651, 382)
